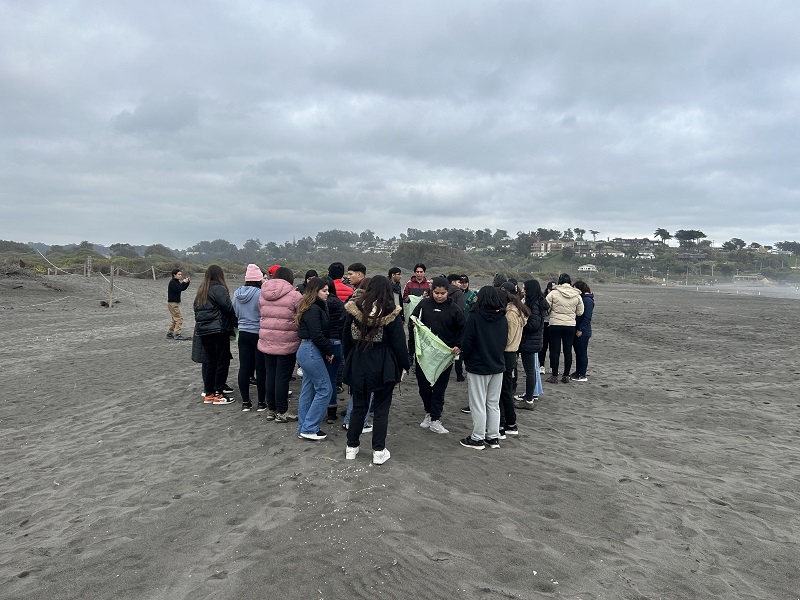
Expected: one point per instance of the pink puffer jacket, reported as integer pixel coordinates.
(278, 304)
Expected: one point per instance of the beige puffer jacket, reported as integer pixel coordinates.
(565, 304)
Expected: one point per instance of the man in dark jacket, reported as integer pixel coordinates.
(177, 284)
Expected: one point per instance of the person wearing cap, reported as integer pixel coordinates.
(469, 295)
(272, 270)
(245, 304)
(336, 272)
(177, 284)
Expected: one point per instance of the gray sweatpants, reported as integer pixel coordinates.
(484, 404)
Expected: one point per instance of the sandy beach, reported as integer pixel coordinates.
(674, 473)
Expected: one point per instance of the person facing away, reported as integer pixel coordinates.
(336, 272)
(483, 347)
(214, 322)
(376, 359)
(565, 305)
(446, 321)
(177, 284)
(245, 304)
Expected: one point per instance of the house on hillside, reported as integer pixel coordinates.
(587, 268)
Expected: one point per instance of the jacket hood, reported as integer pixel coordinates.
(246, 293)
(567, 291)
(351, 308)
(491, 316)
(275, 289)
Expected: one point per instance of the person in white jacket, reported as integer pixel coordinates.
(565, 305)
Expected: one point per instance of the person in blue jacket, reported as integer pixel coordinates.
(245, 304)
(583, 331)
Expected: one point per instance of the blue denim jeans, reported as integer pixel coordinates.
(333, 368)
(315, 391)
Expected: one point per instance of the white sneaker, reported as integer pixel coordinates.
(367, 429)
(437, 427)
(380, 456)
(541, 370)
(299, 371)
(426, 422)
(350, 453)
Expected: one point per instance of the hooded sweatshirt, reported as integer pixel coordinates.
(484, 342)
(565, 304)
(584, 322)
(516, 321)
(245, 304)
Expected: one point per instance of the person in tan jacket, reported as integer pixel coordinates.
(517, 315)
(565, 305)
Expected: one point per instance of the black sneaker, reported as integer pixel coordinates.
(226, 389)
(512, 430)
(320, 435)
(493, 442)
(466, 409)
(468, 442)
(261, 407)
(253, 381)
(170, 335)
(502, 433)
(247, 407)
(178, 337)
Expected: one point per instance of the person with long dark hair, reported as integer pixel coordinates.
(583, 331)
(245, 304)
(214, 322)
(336, 317)
(517, 316)
(483, 348)
(313, 328)
(376, 359)
(278, 341)
(531, 344)
(545, 329)
(565, 305)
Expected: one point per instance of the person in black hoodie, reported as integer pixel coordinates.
(483, 346)
(446, 320)
(316, 350)
(177, 284)
(335, 317)
(214, 322)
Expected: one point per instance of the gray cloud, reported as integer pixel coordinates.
(145, 122)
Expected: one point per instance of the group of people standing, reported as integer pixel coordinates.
(355, 333)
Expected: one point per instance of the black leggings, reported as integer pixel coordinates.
(561, 336)
(217, 360)
(545, 343)
(250, 358)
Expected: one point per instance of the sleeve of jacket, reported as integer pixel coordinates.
(534, 322)
(586, 317)
(313, 318)
(468, 336)
(458, 322)
(579, 308)
(223, 301)
(347, 339)
(397, 341)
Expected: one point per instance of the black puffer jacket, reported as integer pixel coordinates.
(532, 333)
(315, 326)
(335, 316)
(217, 314)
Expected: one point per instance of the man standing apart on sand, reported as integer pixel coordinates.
(177, 284)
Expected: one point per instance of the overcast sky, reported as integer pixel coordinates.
(174, 122)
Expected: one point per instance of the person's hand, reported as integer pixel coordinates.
(403, 375)
(578, 333)
(455, 350)
(329, 358)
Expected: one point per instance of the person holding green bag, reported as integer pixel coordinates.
(446, 321)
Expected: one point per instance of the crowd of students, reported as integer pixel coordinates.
(352, 333)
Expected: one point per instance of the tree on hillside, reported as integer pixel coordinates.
(594, 233)
(734, 244)
(523, 243)
(545, 235)
(123, 250)
(793, 247)
(688, 237)
(252, 246)
(567, 253)
(158, 250)
(578, 232)
(568, 235)
(663, 234)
